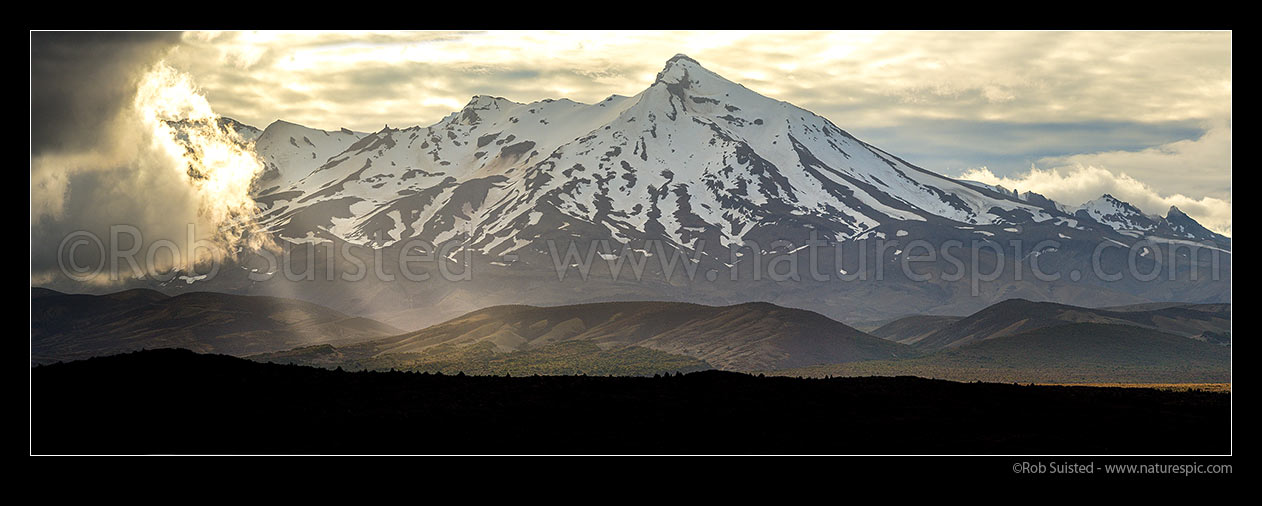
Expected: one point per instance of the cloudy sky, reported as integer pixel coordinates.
(1145, 116)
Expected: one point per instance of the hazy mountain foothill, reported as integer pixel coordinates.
(1015, 340)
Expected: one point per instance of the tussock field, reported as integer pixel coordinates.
(1173, 387)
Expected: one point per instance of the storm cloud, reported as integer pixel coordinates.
(81, 81)
(104, 154)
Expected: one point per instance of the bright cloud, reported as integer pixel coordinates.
(1199, 166)
(1078, 184)
(1169, 174)
(167, 168)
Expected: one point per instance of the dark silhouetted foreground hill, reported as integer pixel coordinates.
(174, 401)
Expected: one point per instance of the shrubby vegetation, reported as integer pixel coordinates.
(564, 358)
(1075, 353)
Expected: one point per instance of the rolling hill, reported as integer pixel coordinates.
(1070, 353)
(71, 326)
(739, 337)
(911, 329)
(1015, 316)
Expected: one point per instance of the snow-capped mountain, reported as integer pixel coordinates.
(1118, 215)
(247, 133)
(1184, 225)
(698, 164)
(1129, 220)
(290, 152)
(694, 156)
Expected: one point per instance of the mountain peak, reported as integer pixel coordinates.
(1187, 226)
(224, 120)
(1118, 214)
(486, 100)
(280, 123)
(678, 70)
(680, 57)
(1108, 201)
(284, 129)
(468, 114)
